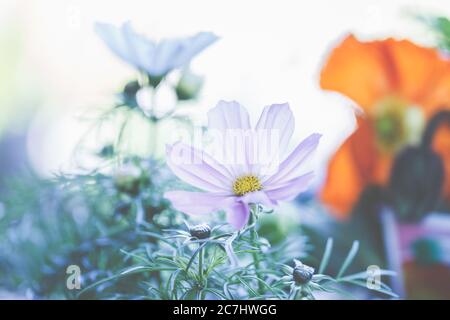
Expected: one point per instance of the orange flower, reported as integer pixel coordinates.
(398, 85)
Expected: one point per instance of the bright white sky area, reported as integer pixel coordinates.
(269, 52)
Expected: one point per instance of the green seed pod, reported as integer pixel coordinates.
(302, 274)
(200, 231)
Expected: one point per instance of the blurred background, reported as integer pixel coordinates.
(55, 68)
(56, 73)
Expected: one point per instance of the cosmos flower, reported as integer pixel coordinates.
(155, 58)
(246, 179)
(399, 86)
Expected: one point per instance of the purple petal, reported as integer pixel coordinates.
(228, 115)
(229, 125)
(259, 197)
(279, 119)
(291, 166)
(238, 214)
(196, 168)
(290, 189)
(197, 203)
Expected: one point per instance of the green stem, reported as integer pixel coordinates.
(200, 265)
(292, 293)
(154, 124)
(154, 138)
(119, 141)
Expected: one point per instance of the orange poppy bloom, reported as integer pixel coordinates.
(398, 85)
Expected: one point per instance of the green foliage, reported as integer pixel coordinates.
(440, 26)
(114, 223)
(76, 220)
(79, 219)
(224, 267)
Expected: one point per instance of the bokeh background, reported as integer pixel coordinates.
(54, 67)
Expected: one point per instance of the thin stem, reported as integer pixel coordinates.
(200, 265)
(119, 140)
(292, 293)
(254, 240)
(140, 212)
(154, 124)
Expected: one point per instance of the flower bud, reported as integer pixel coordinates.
(200, 231)
(302, 274)
(127, 179)
(107, 151)
(129, 93)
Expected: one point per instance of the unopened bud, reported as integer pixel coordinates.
(200, 231)
(302, 274)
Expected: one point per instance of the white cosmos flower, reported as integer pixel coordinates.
(155, 58)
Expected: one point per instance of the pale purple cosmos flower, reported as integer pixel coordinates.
(232, 186)
(155, 58)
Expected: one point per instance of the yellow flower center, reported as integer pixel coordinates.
(246, 184)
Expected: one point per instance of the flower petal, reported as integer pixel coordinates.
(131, 47)
(142, 53)
(358, 70)
(175, 53)
(238, 214)
(415, 68)
(356, 163)
(258, 197)
(438, 97)
(197, 203)
(291, 166)
(274, 129)
(163, 60)
(290, 189)
(196, 168)
(279, 118)
(115, 40)
(140, 49)
(369, 71)
(343, 183)
(193, 46)
(229, 126)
